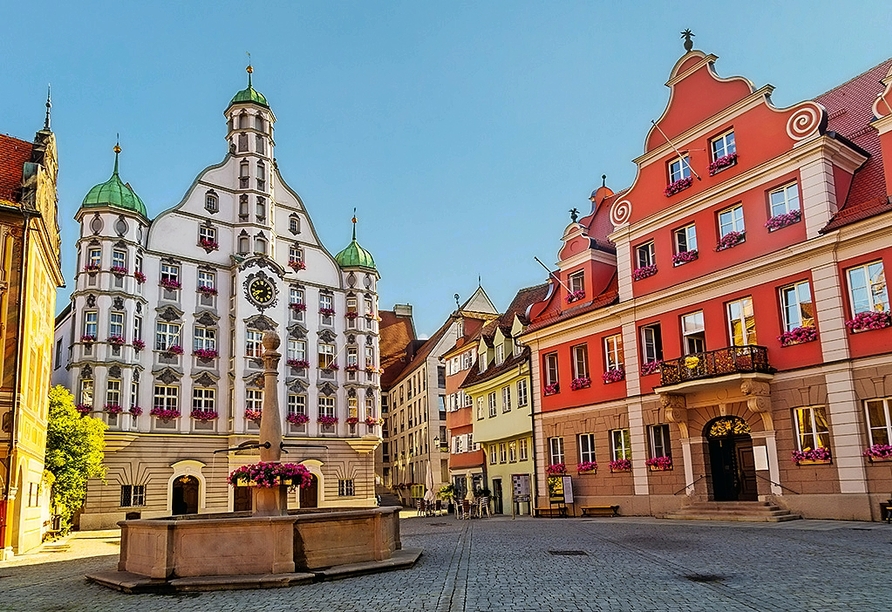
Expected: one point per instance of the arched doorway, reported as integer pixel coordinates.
(309, 496)
(184, 497)
(731, 460)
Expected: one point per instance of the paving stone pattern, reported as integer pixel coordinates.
(625, 564)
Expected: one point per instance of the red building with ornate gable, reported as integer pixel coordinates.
(719, 331)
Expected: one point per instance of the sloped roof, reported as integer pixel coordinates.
(422, 353)
(476, 376)
(13, 155)
(850, 113)
(522, 301)
(609, 296)
(395, 336)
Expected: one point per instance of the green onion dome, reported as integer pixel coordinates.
(115, 193)
(249, 94)
(354, 256)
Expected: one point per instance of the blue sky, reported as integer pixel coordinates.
(463, 132)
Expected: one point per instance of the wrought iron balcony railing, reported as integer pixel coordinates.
(729, 360)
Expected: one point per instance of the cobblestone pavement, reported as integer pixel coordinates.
(502, 564)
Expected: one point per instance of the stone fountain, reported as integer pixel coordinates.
(269, 547)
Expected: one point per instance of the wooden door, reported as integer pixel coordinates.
(309, 496)
(497, 495)
(746, 469)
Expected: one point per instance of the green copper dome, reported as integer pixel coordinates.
(115, 193)
(354, 256)
(249, 94)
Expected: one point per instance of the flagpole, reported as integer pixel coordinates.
(683, 158)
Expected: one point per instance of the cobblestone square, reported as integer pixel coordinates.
(531, 564)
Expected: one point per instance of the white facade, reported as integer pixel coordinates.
(238, 223)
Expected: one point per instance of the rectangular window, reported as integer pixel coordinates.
(694, 333)
(326, 354)
(296, 296)
(254, 399)
(137, 328)
(480, 409)
(784, 200)
(297, 404)
(551, 368)
(580, 361)
(91, 323)
(500, 354)
(512, 452)
(346, 488)
(166, 397)
(742, 322)
(94, 258)
(253, 343)
(645, 255)
(686, 239)
(116, 324)
(326, 308)
(326, 406)
(522, 393)
(133, 496)
(295, 255)
(207, 279)
(113, 392)
(493, 458)
(867, 288)
(652, 343)
(506, 399)
(659, 441)
(879, 425)
(170, 272)
(555, 450)
(503, 452)
(731, 220)
(492, 404)
(166, 335)
(613, 350)
(723, 145)
(576, 281)
(134, 394)
(586, 444)
(797, 307)
(523, 449)
(119, 259)
(812, 430)
(204, 399)
(207, 236)
(86, 391)
(620, 444)
(204, 338)
(679, 168)
(297, 350)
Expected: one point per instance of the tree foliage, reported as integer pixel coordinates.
(74, 453)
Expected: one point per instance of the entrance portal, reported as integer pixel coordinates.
(309, 496)
(731, 460)
(497, 495)
(185, 495)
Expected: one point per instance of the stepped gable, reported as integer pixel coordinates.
(849, 112)
(14, 153)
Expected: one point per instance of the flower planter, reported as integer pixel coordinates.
(208, 245)
(721, 163)
(586, 472)
(118, 270)
(140, 277)
(620, 465)
(583, 382)
(799, 335)
(869, 321)
(612, 376)
(680, 259)
(551, 389)
(814, 462)
(730, 240)
(297, 265)
(677, 186)
(575, 296)
(642, 273)
(781, 221)
(651, 367)
(659, 464)
(878, 459)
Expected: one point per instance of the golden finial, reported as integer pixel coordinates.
(250, 68)
(117, 149)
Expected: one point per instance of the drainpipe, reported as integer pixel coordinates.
(535, 480)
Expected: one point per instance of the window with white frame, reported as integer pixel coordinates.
(326, 354)
(784, 199)
(297, 404)
(679, 168)
(694, 333)
(244, 245)
(731, 220)
(261, 176)
(576, 281)
(166, 397)
(658, 436)
(133, 496)
(645, 254)
(493, 456)
(113, 392)
(166, 335)
(551, 368)
(492, 404)
(620, 444)
(294, 224)
(555, 450)
(94, 257)
(651, 343)
(296, 296)
(134, 394)
(260, 245)
(137, 264)
(480, 409)
(119, 259)
(137, 328)
(867, 288)
(613, 350)
(326, 305)
(586, 444)
(254, 399)
(352, 356)
(500, 354)
(503, 452)
(211, 202)
(506, 398)
(686, 239)
(91, 323)
(170, 272)
(295, 255)
(204, 338)
(297, 350)
(879, 425)
(797, 306)
(580, 361)
(207, 236)
(244, 172)
(86, 391)
(204, 399)
(116, 324)
(207, 279)
(812, 429)
(253, 343)
(742, 322)
(723, 145)
(326, 405)
(346, 488)
(522, 392)
(523, 449)
(512, 452)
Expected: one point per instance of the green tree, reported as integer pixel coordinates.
(74, 453)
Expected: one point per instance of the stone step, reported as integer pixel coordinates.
(733, 511)
(737, 518)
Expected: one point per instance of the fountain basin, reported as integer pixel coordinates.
(240, 544)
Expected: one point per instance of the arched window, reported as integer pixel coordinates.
(260, 246)
(261, 175)
(258, 122)
(211, 202)
(243, 206)
(243, 174)
(243, 120)
(244, 245)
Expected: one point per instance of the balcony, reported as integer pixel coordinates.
(728, 361)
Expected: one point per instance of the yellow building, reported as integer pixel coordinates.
(499, 387)
(29, 275)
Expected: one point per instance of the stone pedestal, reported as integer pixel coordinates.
(270, 502)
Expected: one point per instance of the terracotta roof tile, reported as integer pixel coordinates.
(420, 355)
(476, 376)
(849, 111)
(519, 305)
(13, 155)
(395, 337)
(607, 297)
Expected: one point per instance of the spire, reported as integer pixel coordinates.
(117, 151)
(49, 105)
(354, 224)
(249, 70)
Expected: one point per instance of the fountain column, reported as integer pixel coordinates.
(274, 501)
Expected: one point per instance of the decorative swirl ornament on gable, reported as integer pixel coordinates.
(806, 120)
(620, 213)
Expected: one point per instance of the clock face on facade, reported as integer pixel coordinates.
(261, 292)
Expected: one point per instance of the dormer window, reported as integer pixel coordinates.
(211, 202)
(577, 282)
(500, 354)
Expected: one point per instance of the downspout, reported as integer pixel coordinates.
(533, 492)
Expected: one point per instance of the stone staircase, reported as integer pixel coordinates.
(389, 499)
(733, 511)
